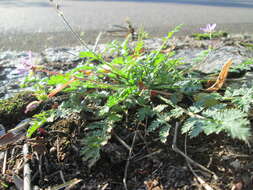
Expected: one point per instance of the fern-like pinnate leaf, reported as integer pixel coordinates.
(163, 117)
(155, 125)
(98, 135)
(39, 120)
(72, 105)
(232, 121)
(242, 97)
(120, 96)
(176, 112)
(163, 126)
(160, 108)
(145, 112)
(164, 132)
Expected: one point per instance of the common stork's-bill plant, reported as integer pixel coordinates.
(159, 88)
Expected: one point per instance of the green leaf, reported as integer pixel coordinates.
(36, 124)
(160, 108)
(88, 54)
(176, 29)
(189, 86)
(176, 97)
(155, 125)
(242, 97)
(244, 66)
(177, 112)
(164, 132)
(207, 99)
(97, 136)
(196, 107)
(144, 113)
(120, 96)
(39, 120)
(91, 155)
(70, 106)
(232, 121)
(113, 117)
(193, 126)
(58, 79)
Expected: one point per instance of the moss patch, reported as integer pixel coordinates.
(206, 36)
(12, 109)
(248, 45)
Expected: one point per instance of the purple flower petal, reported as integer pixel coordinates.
(26, 64)
(204, 30)
(209, 28)
(212, 27)
(32, 106)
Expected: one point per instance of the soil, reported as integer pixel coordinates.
(55, 158)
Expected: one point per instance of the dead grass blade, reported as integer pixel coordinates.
(221, 78)
(60, 88)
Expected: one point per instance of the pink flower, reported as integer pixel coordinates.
(32, 106)
(209, 28)
(26, 64)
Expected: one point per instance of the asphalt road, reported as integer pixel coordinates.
(35, 25)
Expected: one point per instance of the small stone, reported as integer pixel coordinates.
(2, 130)
(53, 150)
(237, 186)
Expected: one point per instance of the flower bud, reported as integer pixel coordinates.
(32, 106)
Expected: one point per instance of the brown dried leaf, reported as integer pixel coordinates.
(60, 88)
(221, 78)
(153, 185)
(10, 138)
(87, 72)
(168, 50)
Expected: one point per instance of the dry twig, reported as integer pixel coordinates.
(67, 185)
(97, 40)
(27, 170)
(177, 150)
(62, 176)
(149, 155)
(199, 179)
(122, 142)
(128, 162)
(4, 162)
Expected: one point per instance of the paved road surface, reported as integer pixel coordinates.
(34, 24)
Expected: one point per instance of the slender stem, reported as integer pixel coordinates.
(60, 13)
(97, 40)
